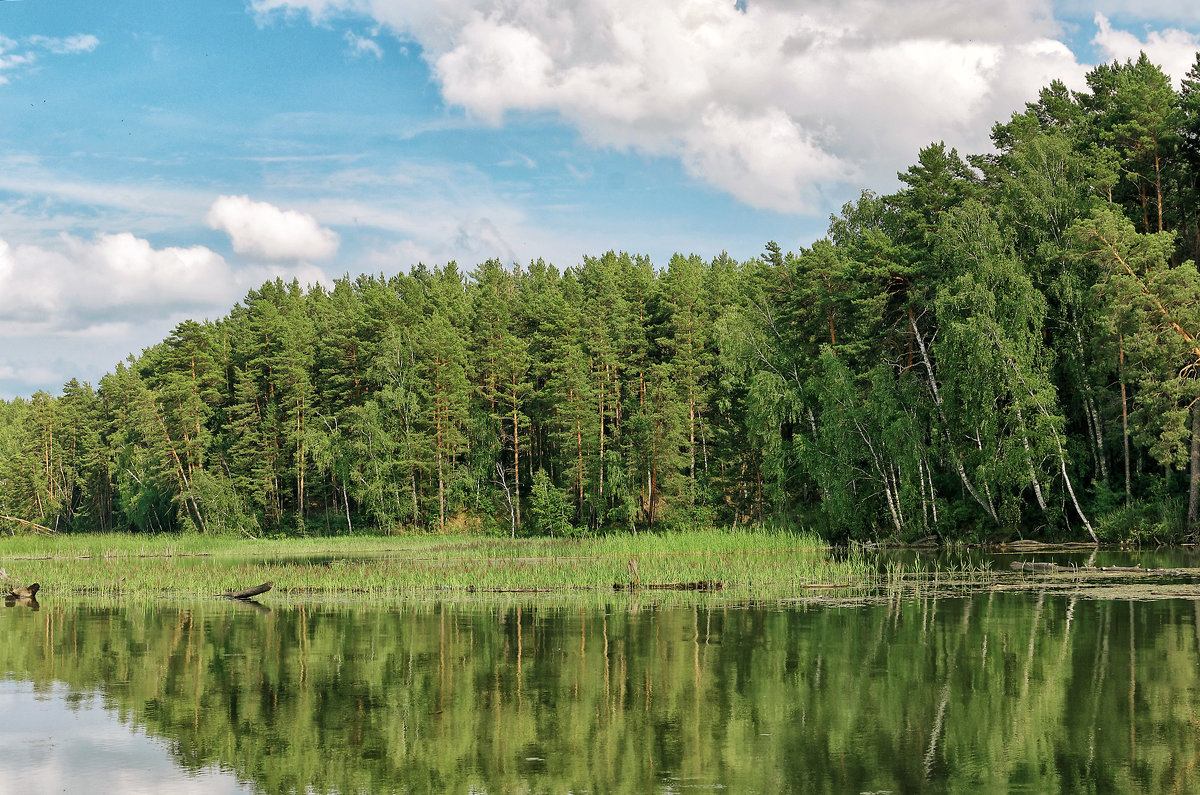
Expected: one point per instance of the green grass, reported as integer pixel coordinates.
(748, 564)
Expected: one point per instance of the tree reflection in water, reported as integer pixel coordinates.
(998, 691)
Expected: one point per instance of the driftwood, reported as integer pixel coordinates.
(1029, 566)
(246, 593)
(1023, 544)
(1054, 568)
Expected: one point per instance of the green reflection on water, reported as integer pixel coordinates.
(996, 692)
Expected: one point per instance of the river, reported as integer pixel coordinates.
(991, 691)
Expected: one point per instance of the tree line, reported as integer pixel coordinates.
(1006, 345)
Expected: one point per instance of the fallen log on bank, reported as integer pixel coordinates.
(249, 592)
(1025, 565)
(1029, 545)
(705, 586)
(1054, 568)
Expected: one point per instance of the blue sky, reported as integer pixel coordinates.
(157, 160)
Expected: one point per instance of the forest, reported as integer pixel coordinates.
(1005, 347)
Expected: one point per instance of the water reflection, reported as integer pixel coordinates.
(998, 692)
(976, 558)
(30, 602)
(54, 739)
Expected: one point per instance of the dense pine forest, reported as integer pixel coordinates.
(1004, 347)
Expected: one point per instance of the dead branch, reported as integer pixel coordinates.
(45, 530)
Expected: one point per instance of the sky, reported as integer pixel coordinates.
(160, 159)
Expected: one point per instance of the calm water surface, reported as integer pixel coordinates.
(993, 692)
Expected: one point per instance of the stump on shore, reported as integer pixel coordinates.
(18, 592)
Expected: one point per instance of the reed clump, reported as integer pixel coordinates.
(747, 564)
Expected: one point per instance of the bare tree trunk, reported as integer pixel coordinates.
(1124, 413)
(516, 456)
(1194, 473)
(1158, 189)
(1062, 460)
(1033, 478)
(692, 440)
(601, 397)
(1062, 453)
(416, 512)
(512, 514)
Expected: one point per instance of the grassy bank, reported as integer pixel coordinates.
(750, 564)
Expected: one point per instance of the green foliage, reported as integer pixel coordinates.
(550, 508)
(1151, 520)
(1006, 345)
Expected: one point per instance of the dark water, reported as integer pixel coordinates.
(992, 693)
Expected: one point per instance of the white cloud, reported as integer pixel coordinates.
(318, 9)
(766, 159)
(28, 55)
(75, 308)
(69, 45)
(137, 760)
(81, 281)
(481, 239)
(1172, 49)
(80, 286)
(361, 46)
(265, 232)
(10, 60)
(774, 104)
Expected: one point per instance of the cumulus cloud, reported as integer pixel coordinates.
(264, 232)
(96, 287)
(775, 102)
(74, 285)
(76, 308)
(1172, 49)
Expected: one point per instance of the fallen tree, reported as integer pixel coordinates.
(37, 528)
(246, 593)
